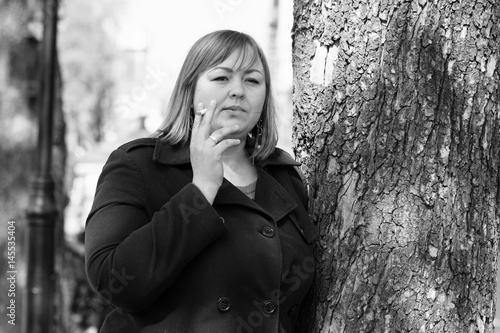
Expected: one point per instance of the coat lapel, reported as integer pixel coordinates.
(272, 197)
(168, 154)
(230, 195)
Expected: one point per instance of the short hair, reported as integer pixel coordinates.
(209, 51)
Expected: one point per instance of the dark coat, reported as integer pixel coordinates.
(171, 262)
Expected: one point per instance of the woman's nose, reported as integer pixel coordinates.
(237, 89)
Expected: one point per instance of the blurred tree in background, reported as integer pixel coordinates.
(84, 99)
(87, 53)
(87, 57)
(20, 36)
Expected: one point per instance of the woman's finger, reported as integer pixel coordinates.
(221, 147)
(204, 127)
(198, 115)
(223, 133)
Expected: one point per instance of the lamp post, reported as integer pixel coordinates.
(42, 211)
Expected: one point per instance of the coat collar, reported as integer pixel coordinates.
(271, 197)
(179, 154)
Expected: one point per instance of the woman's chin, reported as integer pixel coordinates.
(242, 132)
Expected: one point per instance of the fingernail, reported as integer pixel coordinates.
(212, 102)
(200, 105)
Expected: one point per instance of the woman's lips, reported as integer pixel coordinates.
(234, 108)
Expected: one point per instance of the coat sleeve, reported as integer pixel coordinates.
(130, 258)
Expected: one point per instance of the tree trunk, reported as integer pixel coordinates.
(396, 122)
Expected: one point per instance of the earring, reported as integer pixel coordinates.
(258, 139)
(191, 120)
(256, 136)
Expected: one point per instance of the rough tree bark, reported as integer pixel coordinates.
(396, 121)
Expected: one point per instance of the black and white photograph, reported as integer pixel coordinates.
(237, 166)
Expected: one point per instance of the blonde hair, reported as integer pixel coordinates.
(208, 52)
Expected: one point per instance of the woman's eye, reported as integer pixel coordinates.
(221, 78)
(254, 81)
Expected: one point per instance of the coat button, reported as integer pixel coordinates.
(268, 232)
(269, 307)
(223, 304)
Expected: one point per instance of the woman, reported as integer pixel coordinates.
(204, 228)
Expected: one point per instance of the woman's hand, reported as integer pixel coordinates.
(206, 151)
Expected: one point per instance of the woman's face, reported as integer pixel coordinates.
(239, 90)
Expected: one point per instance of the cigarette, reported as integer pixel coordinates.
(201, 112)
